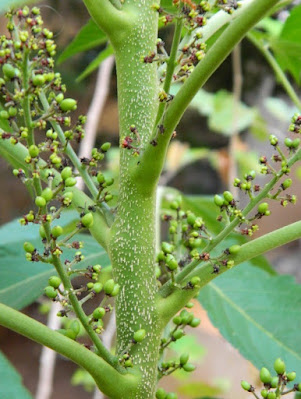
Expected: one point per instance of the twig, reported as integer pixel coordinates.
(95, 110)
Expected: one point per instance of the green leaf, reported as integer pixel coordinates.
(88, 37)
(288, 47)
(11, 386)
(257, 313)
(96, 62)
(22, 282)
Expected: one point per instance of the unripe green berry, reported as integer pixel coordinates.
(161, 394)
(9, 71)
(195, 281)
(265, 375)
(245, 385)
(263, 208)
(90, 286)
(288, 142)
(139, 335)
(171, 262)
(66, 173)
(177, 320)
(109, 286)
(171, 395)
(191, 218)
(286, 184)
(97, 287)
(42, 232)
(40, 201)
(264, 393)
(87, 220)
(75, 327)
(299, 387)
(12, 111)
(59, 98)
(33, 151)
(4, 115)
(105, 147)
(54, 281)
(99, 313)
(108, 197)
(274, 382)
(177, 334)
(184, 358)
(50, 292)
(279, 366)
(128, 363)
(296, 143)
(291, 376)
(57, 231)
(68, 104)
(47, 194)
(234, 249)
(167, 248)
(38, 80)
(195, 322)
(28, 247)
(271, 395)
(70, 182)
(228, 196)
(116, 290)
(218, 200)
(189, 367)
(100, 178)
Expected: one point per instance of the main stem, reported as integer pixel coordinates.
(132, 238)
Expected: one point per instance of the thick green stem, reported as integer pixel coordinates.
(276, 68)
(174, 302)
(112, 383)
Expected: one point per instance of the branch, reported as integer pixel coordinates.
(112, 383)
(15, 155)
(213, 59)
(173, 303)
(114, 22)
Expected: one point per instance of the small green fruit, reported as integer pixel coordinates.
(234, 249)
(50, 292)
(28, 247)
(178, 334)
(116, 290)
(42, 232)
(4, 115)
(167, 248)
(12, 111)
(184, 358)
(265, 375)
(105, 147)
(177, 320)
(57, 231)
(279, 366)
(109, 286)
(274, 382)
(70, 182)
(54, 281)
(218, 200)
(139, 335)
(189, 367)
(40, 201)
(291, 376)
(171, 262)
(9, 71)
(97, 287)
(195, 281)
(228, 196)
(271, 395)
(47, 194)
(245, 385)
(75, 327)
(263, 208)
(288, 142)
(264, 393)
(68, 104)
(161, 394)
(99, 313)
(38, 80)
(100, 178)
(191, 218)
(33, 151)
(299, 387)
(66, 173)
(87, 220)
(286, 184)
(195, 322)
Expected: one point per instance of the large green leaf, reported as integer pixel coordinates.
(257, 313)
(22, 282)
(288, 47)
(96, 62)
(11, 386)
(90, 36)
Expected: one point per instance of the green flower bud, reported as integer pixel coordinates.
(87, 220)
(189, 367)
(245, 385)
(40, 201)
(286, 184)
(50, 292)
(167, 248)
(139, 335)
(184, 358)
(228, 196)
(195, 322)
(47, 194)
(109, 286)
(38, 80)
(105, 147)
(70, 182)
(279, 366)
(291, 376)
(54, 281)
(265, 375)
(99, 313)
(161, 394)
(234, 249)
(9, 71)
(66, 173)
(68, 104)
(218, 200)
(33, 151)
(28, 247)
(263, 207)
(57, 231)
(97, 287)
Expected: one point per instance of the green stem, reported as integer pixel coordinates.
(276, 68)
(174, 302)
(26, 102)
(109, 380)
(213, 59)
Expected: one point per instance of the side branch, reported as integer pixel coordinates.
(107, 378)
(173, 303)
(213, 59)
